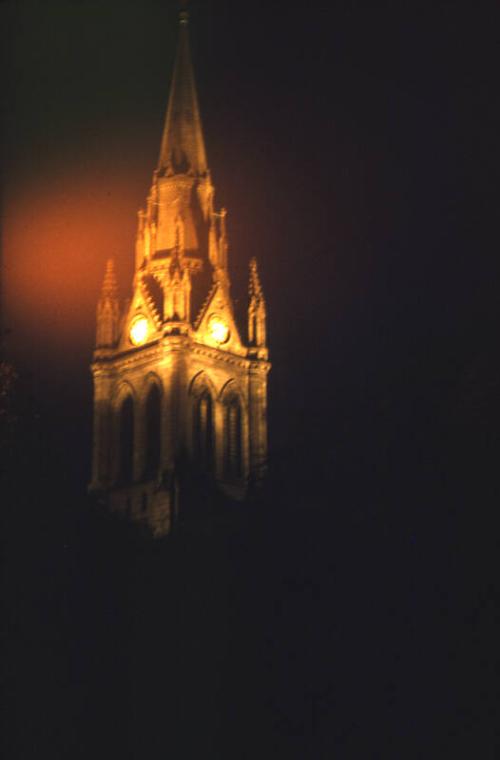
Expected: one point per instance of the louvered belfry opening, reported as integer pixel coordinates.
(153, 433)
(204, 431)
(232, 438)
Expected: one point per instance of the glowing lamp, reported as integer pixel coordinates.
(218, 329)
(139, 330)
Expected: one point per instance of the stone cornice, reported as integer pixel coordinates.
(224, 357)
(174, 343)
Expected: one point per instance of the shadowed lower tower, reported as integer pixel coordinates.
(177, 387)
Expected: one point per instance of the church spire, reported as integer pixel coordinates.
(165, 385)
(182, 147)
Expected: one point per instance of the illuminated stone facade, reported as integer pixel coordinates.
(176, 386)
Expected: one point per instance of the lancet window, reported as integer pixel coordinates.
(152, 432)
(126, 441)
(232, 437)
(203, 429)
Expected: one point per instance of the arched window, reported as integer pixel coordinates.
(153, 432)
(232, 438)
(126, 442)
(203, 430)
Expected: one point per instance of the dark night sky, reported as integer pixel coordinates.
(355, 148)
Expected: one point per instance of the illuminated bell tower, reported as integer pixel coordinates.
(174, 378)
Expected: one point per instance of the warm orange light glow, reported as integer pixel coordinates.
(58, 228)
(218, 329)
(139, 330)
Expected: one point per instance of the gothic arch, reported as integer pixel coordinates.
(126, 435)
(152, 416)
(152, 378)
(199, 383)
(124, 414)
(233, 434)
(121, 391)
(202, 393)
(232, 388)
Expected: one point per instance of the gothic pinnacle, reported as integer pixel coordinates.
(109, 285)
(255, 288)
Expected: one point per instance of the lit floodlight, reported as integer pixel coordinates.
(139, 330)
(218, 329)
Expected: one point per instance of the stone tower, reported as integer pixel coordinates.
(177, 386)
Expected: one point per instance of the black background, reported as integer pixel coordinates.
(347, 614)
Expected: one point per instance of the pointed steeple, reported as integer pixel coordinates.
(182, 147)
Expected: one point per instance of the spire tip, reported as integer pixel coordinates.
(182, 149)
